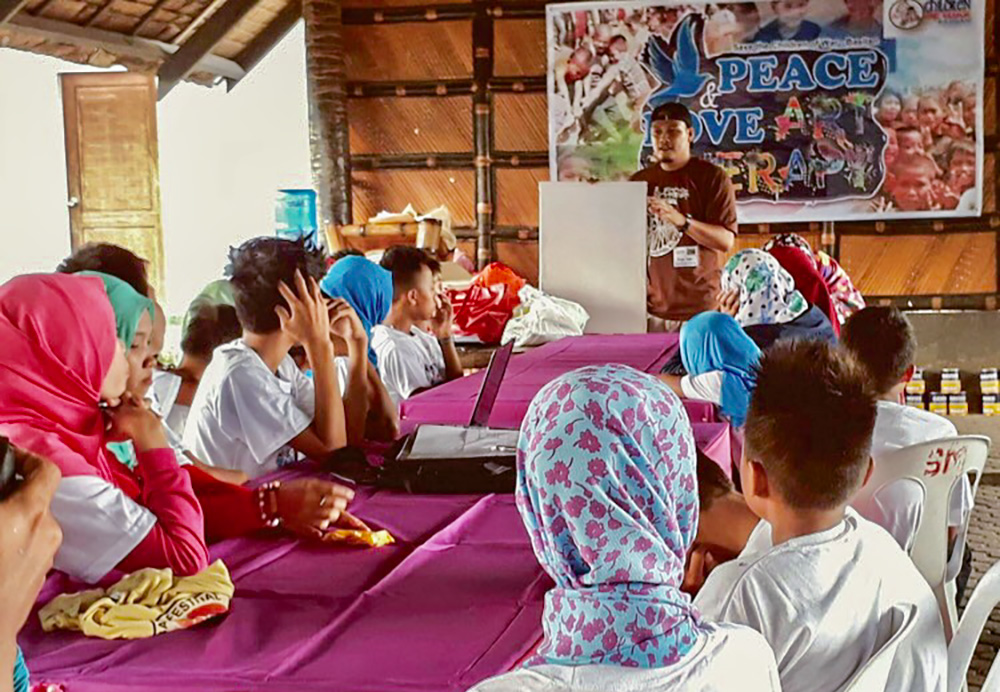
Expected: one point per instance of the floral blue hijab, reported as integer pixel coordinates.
(607, 489)
(713, 341)
(366, 286)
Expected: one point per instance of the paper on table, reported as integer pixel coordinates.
(449, 441)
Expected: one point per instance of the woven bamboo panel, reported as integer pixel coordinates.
(430, 51)
(410, 125)
(392, 190)
(517, 195)
(945, 264)
(520, 122)
(990, 106)
(519, 47)
(522, 257)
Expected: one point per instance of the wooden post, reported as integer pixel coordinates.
(329, 137)
(482, 128)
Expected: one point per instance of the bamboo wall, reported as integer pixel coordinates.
(417, 74)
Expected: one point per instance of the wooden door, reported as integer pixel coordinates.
(112, 164)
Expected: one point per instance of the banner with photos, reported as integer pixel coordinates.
(819, 110)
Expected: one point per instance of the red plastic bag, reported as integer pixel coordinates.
(499, 273)
(483, 311)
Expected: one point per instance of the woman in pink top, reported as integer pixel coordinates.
(63, 374)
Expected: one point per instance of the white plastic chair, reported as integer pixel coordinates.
(937, 466)
(895, 626)
(963, 646)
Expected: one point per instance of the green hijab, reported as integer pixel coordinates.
(128, 305)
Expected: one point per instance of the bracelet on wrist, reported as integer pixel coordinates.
(267, 501)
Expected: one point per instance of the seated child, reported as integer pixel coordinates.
(790, 23)
(882, 340)
(719, 359)
(173, 390)
(611, 521)
(725, 522)
(409, 359)
(367, 289)
(254, 410)
(815, 578)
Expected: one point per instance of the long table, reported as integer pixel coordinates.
(527, 373)
(455, 600)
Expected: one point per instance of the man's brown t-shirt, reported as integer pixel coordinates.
(676, 290)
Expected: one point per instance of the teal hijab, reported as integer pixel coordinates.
(367, 288)
(22, 683)
(128, 305)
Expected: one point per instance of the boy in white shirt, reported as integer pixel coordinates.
(409, 359)
(815, 578)
(882, 340)
(255, 410)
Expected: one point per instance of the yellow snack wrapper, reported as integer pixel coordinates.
(373, 539)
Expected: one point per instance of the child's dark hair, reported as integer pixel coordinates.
(345, 252)
(258, 266)
(810, 423)
(210, 327)
(405, 261)
(906, 129)
(109, 259)
(712, 482)
(881, 339)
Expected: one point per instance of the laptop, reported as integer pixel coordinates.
(472, 441)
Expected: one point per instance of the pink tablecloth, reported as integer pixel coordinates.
(452, 403)
(457, 599)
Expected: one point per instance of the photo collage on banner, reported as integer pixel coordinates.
(818, 110)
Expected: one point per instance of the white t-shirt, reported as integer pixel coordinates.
(706, 386)
(244, 415)
(728, 657)
(407, 362)
(818, 600)
(898, 507)
(100, 524)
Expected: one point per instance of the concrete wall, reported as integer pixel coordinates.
(966, 340)
(222, 159)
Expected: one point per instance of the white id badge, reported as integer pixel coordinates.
(686, 257)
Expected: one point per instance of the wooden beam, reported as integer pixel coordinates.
(207, 11)
(8, 8)
(482, 130)
(267, 39)
(115, 44)
(182, 63)
(444, 87)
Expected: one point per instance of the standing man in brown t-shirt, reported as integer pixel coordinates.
(691, 223)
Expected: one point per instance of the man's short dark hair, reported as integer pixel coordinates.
(258, 266)
(210, 327)
(345, 252)
(882, 340)
(712, 482)
(672, 111)
(109, 259)
(405, 261)
(810, 423)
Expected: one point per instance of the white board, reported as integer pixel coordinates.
(592, 250)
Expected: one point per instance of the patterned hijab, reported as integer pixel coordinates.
(767, 291)
(607, 489)
(846, 299)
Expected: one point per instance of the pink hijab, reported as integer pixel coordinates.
(57, 341)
